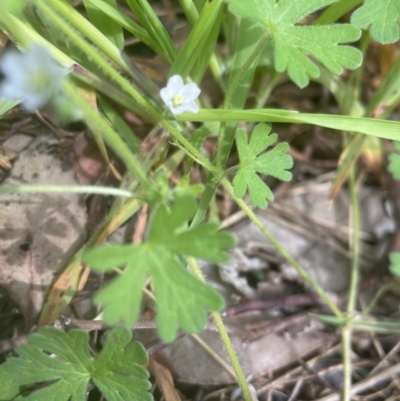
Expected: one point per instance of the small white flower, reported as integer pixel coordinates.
(180, 97)
(33, 76)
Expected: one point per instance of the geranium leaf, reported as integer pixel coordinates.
(62, 360)
(383, 17)
(274, 162)
(295, 43)
(182, 300)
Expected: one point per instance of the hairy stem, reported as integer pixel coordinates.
(354, 279)
(225, 339)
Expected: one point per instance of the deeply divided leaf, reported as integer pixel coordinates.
(182, 300)
(62, 361)
(274, 162)
(294, 43)
(9, 389)
(383, 18)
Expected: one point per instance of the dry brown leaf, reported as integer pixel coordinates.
(164, 381)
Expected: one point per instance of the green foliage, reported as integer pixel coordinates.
(394, 266)
(294, 43)
(383, 17)
(394, 161)
(105, 24)
(9, 389)
(62, 361)
(181, 299)
(274, 162)
(13, 6)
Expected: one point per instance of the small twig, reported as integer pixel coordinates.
(296, 390)
(280, 303)
(367, 383)
(385, 360)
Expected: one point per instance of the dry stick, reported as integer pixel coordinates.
(367, 383)
(384, 361)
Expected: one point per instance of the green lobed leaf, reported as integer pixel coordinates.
(394, 161)
(295, 43)
(63, 360)
(181, 299)
(394, 266)
(274, 162)
(204, 241)
(9, 389)
(383, 17)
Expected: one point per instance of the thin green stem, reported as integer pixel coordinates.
(382, 291)
(70, 189)
(354, 279)
(346, 356)
(225, 339)
(300, 270)
(356, 227)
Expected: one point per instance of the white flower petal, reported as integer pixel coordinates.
(175, 83)
(12, 66)
(180, 97)
(190, 92)
(166, 95)
(191, 107)
(177, 110)
(33, 76)
(35, 101)
(10, 91)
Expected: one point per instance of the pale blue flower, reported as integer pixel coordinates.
(34, 77)
(180, 97)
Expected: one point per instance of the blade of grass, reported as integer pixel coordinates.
(370, 126)
(84, 26)
(192, 50)
(208, 48)
(120, 124)
(127, 23)
(154, 28)
(106, 25)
